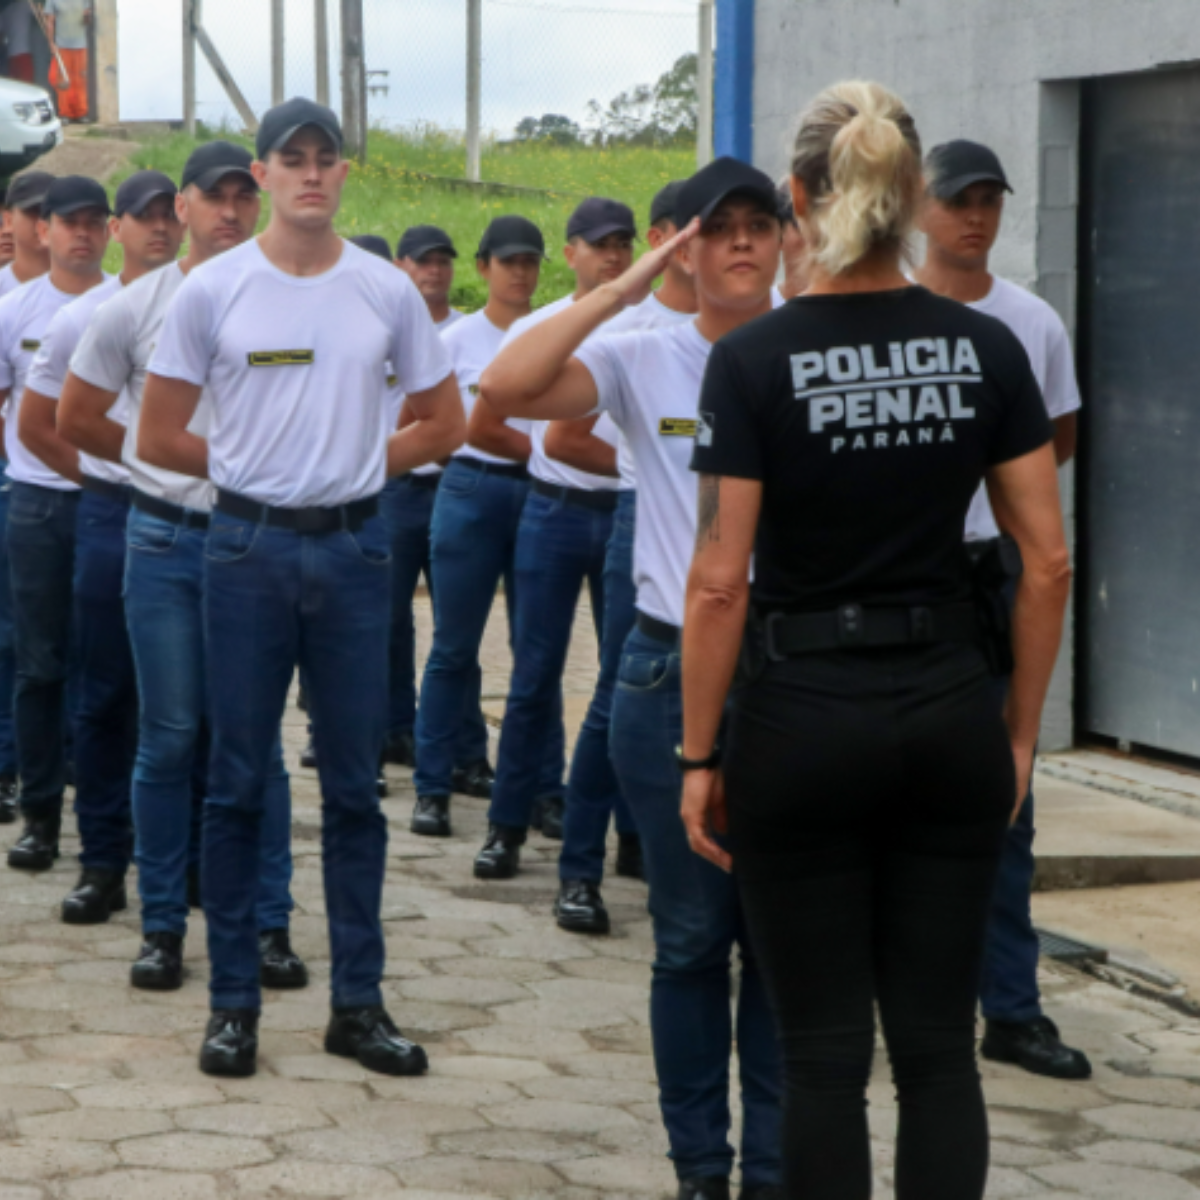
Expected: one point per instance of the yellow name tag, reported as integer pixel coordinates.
(281, 358)
(473, 389)
(31, 344)
(677, 427)
(392, 380)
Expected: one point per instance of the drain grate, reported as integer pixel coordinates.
(1067, 950)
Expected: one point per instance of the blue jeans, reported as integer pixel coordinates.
(407, 510)
(474, 537)
(41, 559)
(593, 795)
(164, 593)
(275, 599)
(8, 661)
(559, 548)
(106, 701)
(698, 920)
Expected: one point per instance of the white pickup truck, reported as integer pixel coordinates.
(29, 126)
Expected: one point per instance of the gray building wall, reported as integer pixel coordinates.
(1004, 72)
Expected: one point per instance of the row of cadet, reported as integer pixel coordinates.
(198, 452)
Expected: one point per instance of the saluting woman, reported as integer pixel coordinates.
(868, 776)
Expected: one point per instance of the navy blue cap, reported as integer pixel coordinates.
(136, 193)
(662, 207)
(420, 240)
(372, 243)
(285, 120)
(597, 217)
(711, 186)
(953, 166)
(507, 237)
(28, 190)
(210, 163)
(73, 193)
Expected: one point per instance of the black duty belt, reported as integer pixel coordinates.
(118, 492)
(510, 470)
(662, 631)
(164, 510)
(429, 481)
(854, 627)
(350, 516)
(605, 501)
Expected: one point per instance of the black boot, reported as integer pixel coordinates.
(94, 899)
(371, 1036)
(279, 966)
(579, 908)
(37, 847)
(706, 1187)
(1034, 1046)
(475, 779)
(231, 1043)
(308, 756)
(553, 808)
(629, 856)
(8, 800)
(159, 964)
(762, 1191)
(401, 749)
(500, 857)
(431, 816)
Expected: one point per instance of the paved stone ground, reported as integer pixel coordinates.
(541, 1082)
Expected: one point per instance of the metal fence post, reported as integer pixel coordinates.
(191, 18)
(278, 78)
(107, 66)
(474, 85)
(321, 45)
(704, 86)
(354, 80)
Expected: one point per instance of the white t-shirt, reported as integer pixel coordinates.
(8, 281)
(1044, 337)
(541, 465)
(396, 396)
(649, 383)
(296, 369)
(49, 371)
(472, 344)
(25, 317)
(70, 28)
(16, 27)
(652, 313)
(115, 354)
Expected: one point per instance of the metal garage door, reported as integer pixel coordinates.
(1139, 644)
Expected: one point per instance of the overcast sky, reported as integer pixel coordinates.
(539, 55)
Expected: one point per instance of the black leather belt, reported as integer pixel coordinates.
(854, 627)
(350, 516)
(508, 470)
(430, 481)
(662, 631)
(164, 510)
(605, 501)
(119, 492)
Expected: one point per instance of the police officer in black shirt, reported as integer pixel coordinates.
(867, 776)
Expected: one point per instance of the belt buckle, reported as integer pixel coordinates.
(920, 624)
(770, 624)
(312, 520)
(851, 625)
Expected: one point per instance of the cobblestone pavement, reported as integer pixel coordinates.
(541, 1082)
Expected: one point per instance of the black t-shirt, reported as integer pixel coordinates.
(870, 420)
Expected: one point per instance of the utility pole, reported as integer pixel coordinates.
(191, 18)
(704, 86)
(278, 80)
(354, 80)
(321, 45)
(474, 85)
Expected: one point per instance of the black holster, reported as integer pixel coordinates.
(995, 568)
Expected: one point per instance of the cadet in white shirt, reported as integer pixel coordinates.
(593, 793)
(105, 706)
(292, 334)
(22, 211)
(474, 528)
(42, 515)
(164, 574)
(426, 255)
(649, 382)
(961, 221)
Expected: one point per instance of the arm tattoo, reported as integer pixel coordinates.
(708, 525)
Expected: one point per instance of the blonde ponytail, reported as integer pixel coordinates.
(858, 154)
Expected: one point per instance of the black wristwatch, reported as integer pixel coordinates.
(698, 764)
